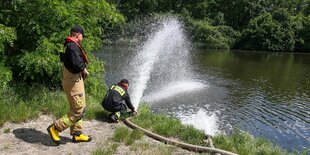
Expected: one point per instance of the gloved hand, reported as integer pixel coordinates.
(134, 113)
(85, 73)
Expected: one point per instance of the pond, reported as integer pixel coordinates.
(264, 93)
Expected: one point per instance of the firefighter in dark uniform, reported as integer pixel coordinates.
(117, 100)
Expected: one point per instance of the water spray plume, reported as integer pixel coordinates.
(162, 59)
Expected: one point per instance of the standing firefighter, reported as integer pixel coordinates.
(117, 100)
(74, 74)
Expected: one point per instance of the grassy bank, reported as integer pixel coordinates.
(238, 142)
(127, 141)
(22, 102)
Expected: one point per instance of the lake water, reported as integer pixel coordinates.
(266, 94)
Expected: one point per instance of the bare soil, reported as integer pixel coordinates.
(31, 137)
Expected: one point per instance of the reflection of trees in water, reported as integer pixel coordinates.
(284, 74)
(267, 93)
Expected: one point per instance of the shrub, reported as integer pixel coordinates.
(7, 36)
(270, 32)
(95, 84)
(5, 76)
(40, 66)
(213, 37)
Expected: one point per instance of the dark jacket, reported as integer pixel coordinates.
(72, 58)
(116, 99)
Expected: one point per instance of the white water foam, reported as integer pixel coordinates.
(174, 88)
(201, 120)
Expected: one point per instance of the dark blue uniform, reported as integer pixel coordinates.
(117, 99)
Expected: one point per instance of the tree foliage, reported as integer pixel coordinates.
(302, 27)
(270, 32)
(268, 24)
(7, 37)
(5, 76)
(215, 37)
(41, 27)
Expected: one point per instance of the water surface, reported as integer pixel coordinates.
(266, 94)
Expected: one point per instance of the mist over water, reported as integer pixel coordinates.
(172, 89)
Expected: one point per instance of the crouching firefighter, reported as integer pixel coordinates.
(74, 74)
(117, 100)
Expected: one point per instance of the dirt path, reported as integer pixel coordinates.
(32, 138)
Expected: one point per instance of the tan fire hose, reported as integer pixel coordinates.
(186, 146)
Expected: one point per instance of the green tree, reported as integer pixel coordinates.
(307, 8)
(7, 37)
(269, 31)
(237, 13)
(133, 8)
(302, 28)
(213, 37)
(294, 7)
(41, 28)
(198, 9)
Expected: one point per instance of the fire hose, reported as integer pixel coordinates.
(183, 145)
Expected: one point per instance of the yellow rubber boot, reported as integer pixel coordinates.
(54, 133)
(80, 137)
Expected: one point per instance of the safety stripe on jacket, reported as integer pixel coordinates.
(118, 89)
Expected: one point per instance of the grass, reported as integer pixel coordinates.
(167, 126)
(7, 146)
(243, 143)
(123, 134)
(128, 137)
(8, 130)
(239, 142)
(147, 148)
(22, 102)
(108, 151)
